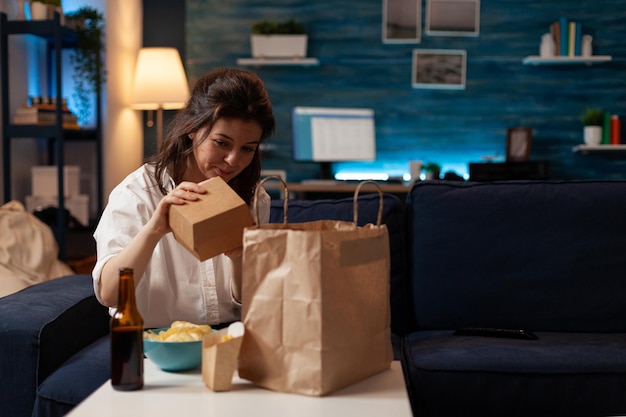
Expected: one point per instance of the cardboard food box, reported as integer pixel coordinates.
(44, 180)
(214, 224)
(220, 351)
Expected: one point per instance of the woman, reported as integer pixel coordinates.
(218, 133)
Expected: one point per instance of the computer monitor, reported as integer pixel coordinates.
(332, 134)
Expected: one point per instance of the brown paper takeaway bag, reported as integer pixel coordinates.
(315, 302)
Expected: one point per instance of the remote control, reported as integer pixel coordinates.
(492, 332)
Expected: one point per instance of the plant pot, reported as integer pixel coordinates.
(593, 135)
(279, 46)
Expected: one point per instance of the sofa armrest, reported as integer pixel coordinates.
(40, 328)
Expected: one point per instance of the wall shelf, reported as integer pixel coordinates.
(566, 60)
(600, 149)
(278, 61)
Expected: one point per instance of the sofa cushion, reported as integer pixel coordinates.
(87, 371)
(540, 255)
(40, 328)
(559, 374)
(342, 209)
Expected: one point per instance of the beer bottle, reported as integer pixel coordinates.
(126, 337)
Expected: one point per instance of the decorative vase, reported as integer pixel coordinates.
(593, 135)
(279, 46)
(10, 7)
(38, 10)
(585, 47)
(21, 10)
(547, 49)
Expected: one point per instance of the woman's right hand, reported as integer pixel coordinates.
(138, 253)
(184, 192)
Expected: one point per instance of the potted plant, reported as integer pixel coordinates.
(87, 58)
(432, 170)
(593, 119)
(286, 39)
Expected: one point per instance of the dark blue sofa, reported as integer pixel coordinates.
(549, 257)
(53, 347)
(546, 256)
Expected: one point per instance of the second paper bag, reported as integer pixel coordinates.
(315, 302)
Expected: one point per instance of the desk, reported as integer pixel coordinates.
(184, 394)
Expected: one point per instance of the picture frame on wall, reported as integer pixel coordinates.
(453, 17)
(518, 142)
(402, 21)
(439, 68)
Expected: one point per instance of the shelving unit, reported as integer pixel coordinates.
(275, 61)
(57, 37)
(566, 60)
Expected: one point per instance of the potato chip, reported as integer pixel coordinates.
(179, 331)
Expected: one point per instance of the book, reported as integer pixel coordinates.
(606, 129)
(555, 29)
(615, 130)
(571, 38)
(563, 34)
(578, 39)
(44, 115)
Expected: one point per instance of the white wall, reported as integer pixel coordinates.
(123, 132)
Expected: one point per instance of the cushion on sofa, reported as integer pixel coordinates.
(540, 255)
(559, 374)
(41, 327)
(342, 209)
(87, 370)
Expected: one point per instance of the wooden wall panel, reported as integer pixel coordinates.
(449, 127)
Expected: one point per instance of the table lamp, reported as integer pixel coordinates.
(159, 84)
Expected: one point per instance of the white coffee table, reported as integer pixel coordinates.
(184, 394)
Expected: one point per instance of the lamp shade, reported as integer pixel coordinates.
(160, 80)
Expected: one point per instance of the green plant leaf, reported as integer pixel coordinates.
(287, 27)
(87, 58)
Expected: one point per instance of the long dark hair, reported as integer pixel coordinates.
(221, 93)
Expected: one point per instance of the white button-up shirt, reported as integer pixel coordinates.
(175, 285)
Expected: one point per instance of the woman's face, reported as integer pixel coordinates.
(227, 150)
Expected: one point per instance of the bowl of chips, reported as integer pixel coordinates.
(175, 348)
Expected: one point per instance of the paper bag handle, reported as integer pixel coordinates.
(255, 205)
(355, 208)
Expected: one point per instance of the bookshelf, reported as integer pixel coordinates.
(278, 61)
(566, 60)
(600, 149)
(56, 37)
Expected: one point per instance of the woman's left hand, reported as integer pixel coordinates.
(184, 192)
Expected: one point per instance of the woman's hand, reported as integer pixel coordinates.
(184, 192)
(138, 253)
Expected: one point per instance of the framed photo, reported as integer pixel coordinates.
(518, 141)
(453, 17)
(402, 21)
(439, 68)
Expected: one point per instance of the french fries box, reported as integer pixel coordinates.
(220, 351)
(212, 225)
